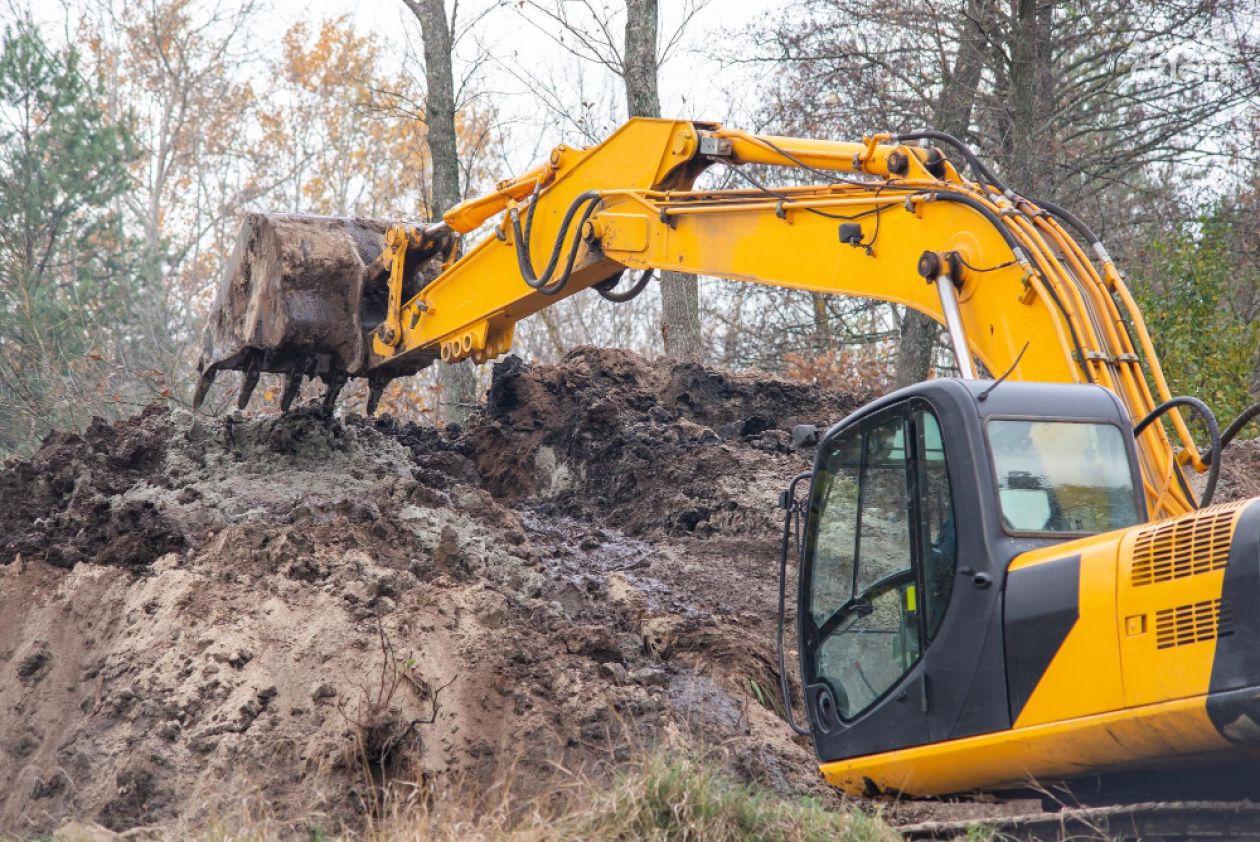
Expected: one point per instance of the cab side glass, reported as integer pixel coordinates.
(872, 648)
(835, 531)
(939, 533)
(865, 598)
(884, 544)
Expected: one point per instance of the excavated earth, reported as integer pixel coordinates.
(203, 619)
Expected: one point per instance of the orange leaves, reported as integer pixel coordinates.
(845, 371)
(321, 122)
(336, 61)
(348, 124)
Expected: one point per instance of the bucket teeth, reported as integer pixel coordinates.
(203, 387)
(292, 385)
(376, 388)
(334, 382)
(248, 384)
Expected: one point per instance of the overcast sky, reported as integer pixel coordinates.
(700, 80)
(541, 93)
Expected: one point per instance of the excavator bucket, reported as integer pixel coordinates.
(301, 295)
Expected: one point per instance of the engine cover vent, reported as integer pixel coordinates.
(1187, 546)
(1193, 623)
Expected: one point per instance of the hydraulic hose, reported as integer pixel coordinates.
(1238, 423)
(789, 514)
(977, 166)
(1213, 457)
(607, 289)
(1231, 432)
(1073, 221)
(1018, 251)
(546, 284)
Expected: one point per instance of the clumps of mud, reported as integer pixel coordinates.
(59, 506)
(1240, 472)
(201, 618)
(651, 448)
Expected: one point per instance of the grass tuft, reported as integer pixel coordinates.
(687, 799)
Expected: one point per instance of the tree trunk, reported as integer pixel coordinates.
(951, 114)
(680, 295)
(914, 353)
(823, 340)
(459, 381)
(1031, 101)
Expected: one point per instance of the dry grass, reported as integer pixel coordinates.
(660, 798)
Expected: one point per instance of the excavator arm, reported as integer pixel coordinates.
(890, 221)
(339, 298)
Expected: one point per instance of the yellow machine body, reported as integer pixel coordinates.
(1131, 683)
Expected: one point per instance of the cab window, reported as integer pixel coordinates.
(834, 530)
(881, 556)
(1062, 476)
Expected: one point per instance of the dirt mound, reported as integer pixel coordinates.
(651, 448)
(1240, 471)
(199, 617)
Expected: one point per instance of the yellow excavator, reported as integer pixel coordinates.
(1004, 576)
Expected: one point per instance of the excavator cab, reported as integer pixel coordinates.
(910, 633)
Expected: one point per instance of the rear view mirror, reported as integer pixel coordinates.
(1026, 509)
(804, 435)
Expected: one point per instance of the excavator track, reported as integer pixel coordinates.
(1166, 821)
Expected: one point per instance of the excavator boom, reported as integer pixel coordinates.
(889, 221)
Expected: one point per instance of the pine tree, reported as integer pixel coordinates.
(66, 264)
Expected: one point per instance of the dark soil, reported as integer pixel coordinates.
(648, 448)
(58, 503)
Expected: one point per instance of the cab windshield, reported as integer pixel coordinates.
(1062, 476)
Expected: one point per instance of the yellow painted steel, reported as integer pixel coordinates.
(1091, 648)
(471, 308)
(1168, 599)
(726, 238)
(1046, 752)
(1112, 696)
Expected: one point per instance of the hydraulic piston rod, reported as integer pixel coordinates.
(954, 326)
(940, 269)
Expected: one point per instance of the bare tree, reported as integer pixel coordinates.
(459, 381)
(590, 34)
(173, 72)
(680, 295)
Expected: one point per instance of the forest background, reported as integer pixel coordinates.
(135, 135)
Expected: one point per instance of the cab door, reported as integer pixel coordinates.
(877, 577)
